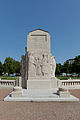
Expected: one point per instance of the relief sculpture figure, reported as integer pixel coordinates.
(53, 66)
(38, 67)
(45, 65)
(32, 65)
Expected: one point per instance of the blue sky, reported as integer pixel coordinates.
(60, 17)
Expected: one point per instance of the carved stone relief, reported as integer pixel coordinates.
(53, 66)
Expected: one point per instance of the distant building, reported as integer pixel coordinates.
(63, 74)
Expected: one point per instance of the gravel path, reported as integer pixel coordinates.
(39, 110)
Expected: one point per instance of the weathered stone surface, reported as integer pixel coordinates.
(16, 89)
(64, 93)
(39, 84)
(53, 66)
(17, 92)
(38, 48)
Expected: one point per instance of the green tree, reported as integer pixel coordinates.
(1, 68)
(65, 68)
(11, 66)
(17, 64)
(76, 65)
(58, 69)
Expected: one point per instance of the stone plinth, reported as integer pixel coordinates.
(40, 95)
(39, 84)
(17, 92)
(63, 93)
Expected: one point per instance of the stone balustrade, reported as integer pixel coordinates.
(7, 83)
(10, 83)
(70, 83)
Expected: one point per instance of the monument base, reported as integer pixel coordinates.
(40, 95)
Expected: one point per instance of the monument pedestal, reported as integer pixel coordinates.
(42, 83)
(39, 84)
(54, 82)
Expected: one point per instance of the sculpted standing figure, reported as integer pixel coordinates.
(32, 69)
(53, 66)
(45, 65)
(38, 66)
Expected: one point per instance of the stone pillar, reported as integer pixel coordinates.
(20, 81)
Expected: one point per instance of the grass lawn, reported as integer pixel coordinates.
(8, 78)
(14, 78)
(66, 78)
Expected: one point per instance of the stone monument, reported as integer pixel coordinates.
(38, 66)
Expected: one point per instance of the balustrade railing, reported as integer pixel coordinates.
(10, 83)
(70, 83)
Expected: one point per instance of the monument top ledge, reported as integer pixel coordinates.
(38, 39)
(39, 32)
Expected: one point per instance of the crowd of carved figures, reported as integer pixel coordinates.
(39, 65)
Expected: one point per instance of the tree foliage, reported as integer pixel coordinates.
(58, 68)
(69, 68)
(76, 65)
(1, 68)
(11, 66)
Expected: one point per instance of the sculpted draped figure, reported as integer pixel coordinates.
(53, 66)
(32, 65)
(38, 67)
(45, 65)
